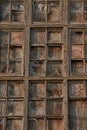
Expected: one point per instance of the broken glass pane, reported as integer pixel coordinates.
(54, 12)
(54, 69)
(77, 67)
(55, 53)
(39, 11)
(37, 68)
(54, 90)
(77, 37)
(76, 11)
(54, 35)
(37, 53)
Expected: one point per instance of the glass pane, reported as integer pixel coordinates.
(55, 124)
(17, 12)
(2, 107)
(85, 37)
(55, 53)
(38, 36)
(37, 68)
(54, 69)
(3, 53)
(3, 67)
(85, 10)
(77, 51)
(3, 38)
(54, 35)
(54, 12)
(77, 89)
(37, 90)
(54, 107)
(54, 90)
(15, 108)
(37, 53)
(4, 11)
(14, 124)
(15, 67)
(36, 108)
(15, 52)
(76, 11)
(15, 89)
(77, 67)
(77, 37)
(36, 124)
(39, 11)
(16, 38)
(2, 89)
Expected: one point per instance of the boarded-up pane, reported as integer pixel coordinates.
(54, 90)
(77, 51)
(37, 68)
(15, 108)
(76, 11)
(78, 115)
(55, 53)
(55, 124)
(36, 124)
(15, 89)
(36, 107)
(54, 35)
(39, 11)
(54, 69)
(54, 12)
(54, 107)
(17, 12)
(38, 36)
(37, 53)
(77, 37)
(2, 89)
(5, 11)
(14, 124)
(2, 107)
(77, 67)
(77, 89)
(37, 90)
